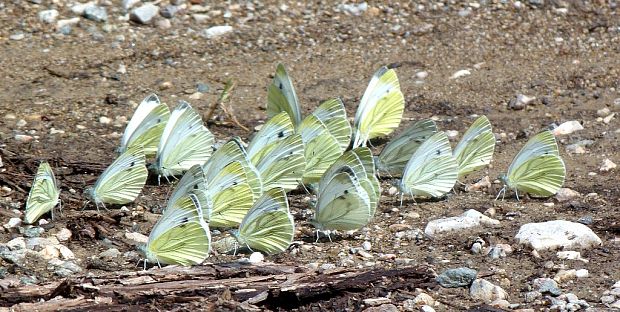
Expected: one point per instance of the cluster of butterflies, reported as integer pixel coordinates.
(244, 187)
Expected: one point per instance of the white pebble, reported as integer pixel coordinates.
(421, 74)
(48, 16)
(105, 120)
(565, 194)
(603, 112)
(608, 165)
(582, 273)
(66, 253)
(256, 257)
(137, 237)
(63, 235)
(460, 73)
(367, 246)
(452, 134)
(217, 31)
(567, 128)
(13, 222)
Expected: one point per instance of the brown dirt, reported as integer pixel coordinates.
(56, 81)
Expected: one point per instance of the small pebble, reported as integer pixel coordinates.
(63, 235)
(607, 165)
(567, 128)
(366, 246)
(104, 120)
(96, 13)
(144, 14)
(17, 37)
(565, 194)
(48, 16)
(217, 31)
(603, 112)
(521, 101)
(13, 222)
(460, 73)
(256, 257)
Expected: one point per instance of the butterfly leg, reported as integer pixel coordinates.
(517, 194)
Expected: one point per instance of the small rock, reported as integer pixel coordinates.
(13, 223)
(609, 118)
(607, 299)
(531, 296)
(426, 308)
(399, 227)
(424, 299)
(327, 267)
(500, 303)
(17, 37)
(393, 190)
(137, 237)
(104, 120)
(110, 254)
(33, 231)
(202, 87)
(66, 253)
(421, 74)
(64, 268)
(48, 16)
(557, 234)
(217, 31)
(49, 252)
(169, 11)
(366, 246)
(565, 194)
(383, 308)
(571, 255)
(579, 147)
(603, 112)
(499, 251)
(546, 285)
(520, 102)
(582, 273)
(484, 290)
(476, 248)
(96, 13)
(452, 278)
(565, 275)
(144, 14)
(81, 7)
(607, 165)
(354, 9)
(460, 73)
(483, 184)
(468, 220)
(195, 96)
(256, 257)
(128, 4)
(23, 138)
(63, 235)
(163, 24)
(17, 243)
(376, 301)
(567, 128)
(452, 134)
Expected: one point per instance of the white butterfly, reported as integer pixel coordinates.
(146, 125)
(475, 150)
(432, 170)
(44, 194)
(122, 181)
(185, 142)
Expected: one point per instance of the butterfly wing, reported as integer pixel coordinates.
(268, 226)
(321, 148)
(123, 180)
(193, 179)
(44, 194)
(180, 236)
(230, 194)
(185, 142)
(281, 96)
(277, 128)
(475, 150)
(432, 170)
(541, 175)
(380, 109)
(146, 125)
(342, 205)
(332, 113)
(233, 150)
(284, 165)
(541, 144)
(399, 150)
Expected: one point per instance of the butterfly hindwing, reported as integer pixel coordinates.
(432, 170)
(321, 148)
(475, 150)
(44, 194)
(277, 128)
(268, 226)
(146, 125)
(180, 236)
(332, 113)
(283, 166)
(381, 107)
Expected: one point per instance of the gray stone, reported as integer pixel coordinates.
(388, 307)
(33, 231)
(486, 291)
(202, 87)
(110, 253)
(169, 11)
(96, 13)
(48, 16)
(531, 296)
(28, 280)
(3, 272)
(468, 220)
(547, 286)
(354, 9)
(557, 234)
(16, 37)
(63, 268)
(16, 243)
(461, 277)
(128, 4)
(144, 14)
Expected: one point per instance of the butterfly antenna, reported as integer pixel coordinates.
(85, 204)
(502, 191)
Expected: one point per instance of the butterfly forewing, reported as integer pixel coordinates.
(475, 150)
(281, 96)
(342, 204)
(333, 114)
(276, 129)
(146, 125)
(44, 194)
(321, 149)
(432, 170)
(399, 150)
(381, 108)
(284, 165)
(123, 180)
(185, 142)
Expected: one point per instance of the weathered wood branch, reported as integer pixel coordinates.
(227, 286)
